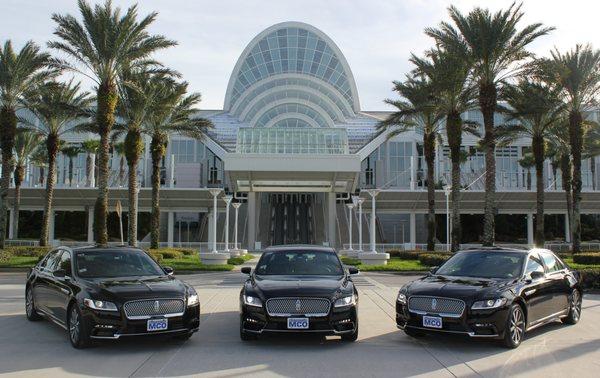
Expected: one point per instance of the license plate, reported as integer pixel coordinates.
(297, 323)
(432, 322)
(157, 325)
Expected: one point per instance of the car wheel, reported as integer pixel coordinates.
(30, 311)
(574, 308)
(515, 327)
(413, 332)
(78, 332)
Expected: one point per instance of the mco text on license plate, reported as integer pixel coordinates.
(432, 322)
(297, 323)
(157, 325)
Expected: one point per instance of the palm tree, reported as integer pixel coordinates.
(102, 47)
(26, 144)
(119, 148)
(449, 73)
(39, 159)
(57, 107)
(559, 152)
(494, 48)
(591, 147)
(577, 75)
(173, 112)
(527, 162)
(71, 152)
(90, 147)
(19, 73)
(419, 112)
(533, 109)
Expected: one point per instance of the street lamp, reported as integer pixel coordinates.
(358, 201)
(215, 193)
(236, 206)
(350, 207)
(373, 193)
(227, 199)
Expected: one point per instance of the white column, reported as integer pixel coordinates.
(170, 226)
(331, 218)
(413, 173)
(236, 206)
(209, 214)
(215, 193)
(172, 171)
(373, 231)
(567, 229)
(359, 201)
(90, 224)
(227, 199)
(11, 224)
(252, 220)
(350, 207)
(413, 230)
(93, 178)
(530, 229)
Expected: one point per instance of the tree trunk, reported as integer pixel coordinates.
(8, 129)
(133, 150)
(157, 147)
(121, 170)
(554, 169)
(19, 176)
(565, 168)
(52, 147)
(42, 175)
(105, 119)
(575, 120)
(537, 146)
(70, 171)
(429, 151)
(89, 170)
(487, 103)
(454, 133)
(593, 171)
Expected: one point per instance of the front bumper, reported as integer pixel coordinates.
(339, 321)
(114, 325)
(472, 323)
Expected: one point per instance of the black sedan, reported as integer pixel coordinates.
(108, 293)
(491, 293)
(299, 289)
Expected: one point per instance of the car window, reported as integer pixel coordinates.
(65, 263)
(115, 263)
(483, 264)
(551, 262)
(52, 261)
(299, 262)
(534, 264)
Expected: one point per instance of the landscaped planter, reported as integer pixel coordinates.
(373, 258)
(219, 258)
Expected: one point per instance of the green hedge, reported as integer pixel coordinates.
(405, 255)
(590, 278)
(587, 258)
(26, 251)
(433, 259)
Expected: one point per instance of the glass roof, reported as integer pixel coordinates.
(292, 140)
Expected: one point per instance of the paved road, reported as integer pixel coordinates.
(42, 349)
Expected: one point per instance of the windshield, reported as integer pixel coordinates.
(313, 263)
(108, 264)
(483, 264)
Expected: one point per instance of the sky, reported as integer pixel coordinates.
(376, 36)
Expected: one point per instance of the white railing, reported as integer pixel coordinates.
(441, 247)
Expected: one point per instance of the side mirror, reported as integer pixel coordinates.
(433, 269)
(60, 273)
(168, 270)
(536, 275)
(246, 270)
(352, 270)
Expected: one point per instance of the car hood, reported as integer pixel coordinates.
(300, 286)
(466, 288)
(129, 288)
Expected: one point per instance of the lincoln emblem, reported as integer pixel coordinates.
(298, 305)
(433, 303)
(156, 306)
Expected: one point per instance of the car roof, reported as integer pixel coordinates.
(98, 248)
(298, 247)
(497, 249)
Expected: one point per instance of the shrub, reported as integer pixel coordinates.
(590, 278)
(27, 251)
(168, 253)
(587, 258)
(405, 255)
(188, 251)
(236, 261)
(433, 259)
(156, 256)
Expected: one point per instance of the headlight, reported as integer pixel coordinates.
(192, 298)
(99, 305)
(252, 301)
(401, 298)
(489, 304)
(345, 301)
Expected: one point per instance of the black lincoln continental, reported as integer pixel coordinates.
(491, 293)
(299, 289)
(108, 293)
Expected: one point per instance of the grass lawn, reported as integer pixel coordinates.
(393, 265)
(192, 263)
(19, 262)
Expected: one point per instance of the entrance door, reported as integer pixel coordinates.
(291, 218)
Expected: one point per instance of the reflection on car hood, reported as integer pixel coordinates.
(301, 286)
(131, 288)
(455, 287)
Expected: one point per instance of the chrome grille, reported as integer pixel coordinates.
(298, 306)
(153, 307)
(436, 305)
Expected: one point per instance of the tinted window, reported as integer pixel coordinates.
(483, 264)
(300, 263)
(551, 262)
(65, 263)
(110, 263)
(534, 264)
(51, 262)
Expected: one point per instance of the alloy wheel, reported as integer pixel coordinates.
(576, 305)
(74, 325)
(517, 323)
(29, 303)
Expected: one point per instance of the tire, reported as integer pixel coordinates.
(514, 331)
(413, 332)
(79, 334)
(30, 311)
(574, 314)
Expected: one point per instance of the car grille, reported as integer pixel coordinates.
(436, 305)
(298, 306)
(144, 309)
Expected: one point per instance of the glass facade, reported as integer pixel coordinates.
(292, 141)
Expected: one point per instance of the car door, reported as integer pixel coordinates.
(60, 287)
(42, 293)
(536, 290)
(559, 284)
